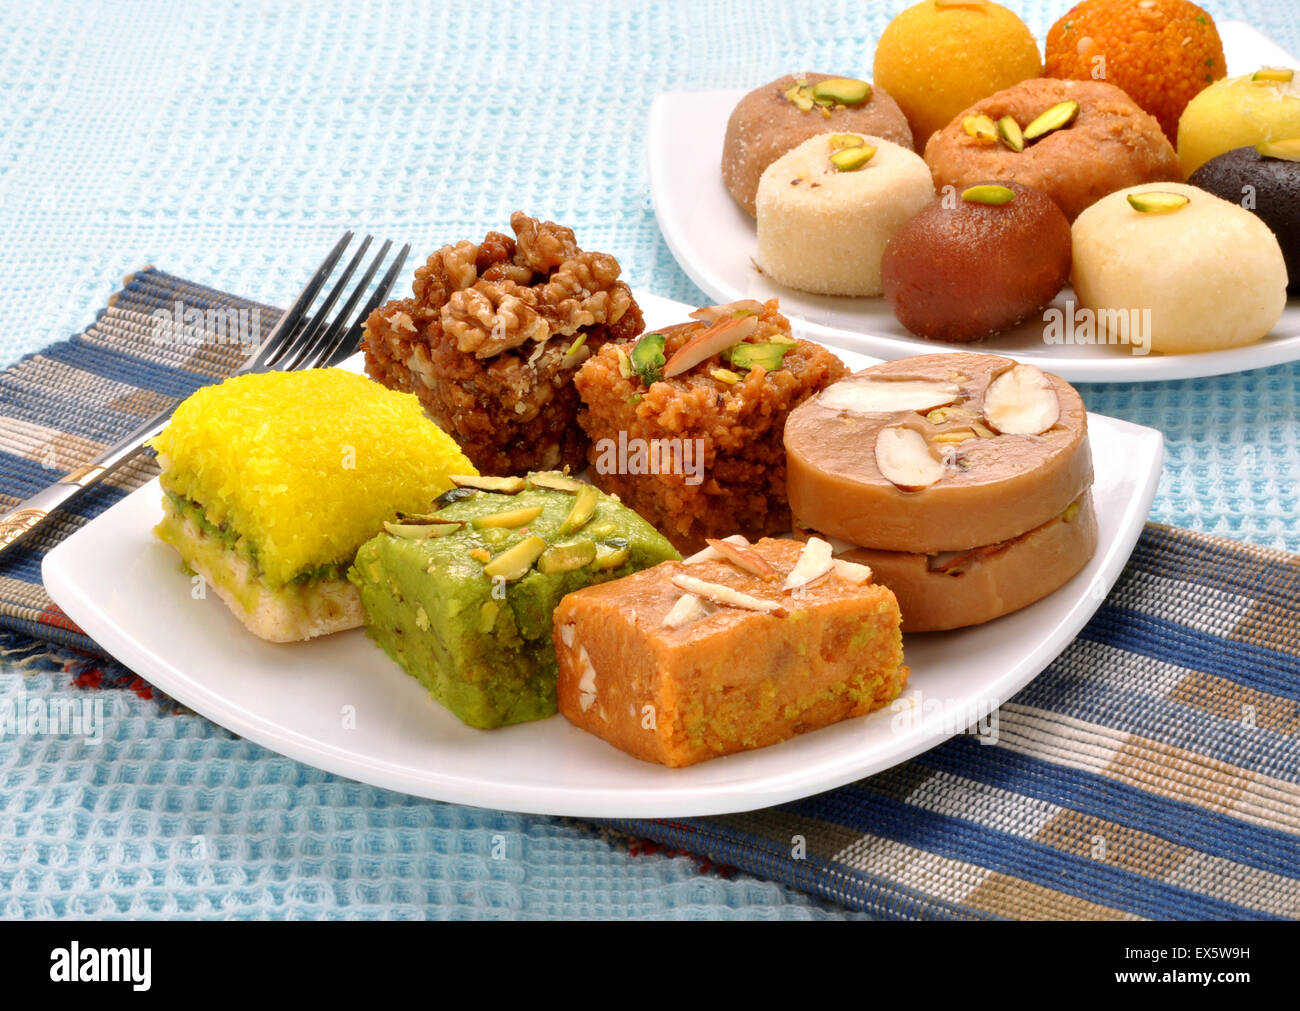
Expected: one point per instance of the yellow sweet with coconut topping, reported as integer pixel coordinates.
(302, 467)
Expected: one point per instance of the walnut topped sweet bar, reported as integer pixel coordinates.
(493, 336)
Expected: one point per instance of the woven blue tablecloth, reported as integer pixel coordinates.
(231, 145)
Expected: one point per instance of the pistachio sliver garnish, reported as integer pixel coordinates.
(994, 196)
(842, 90)
(1157, 203)
(800, 95)
(1273, 75)
(1060, 115)
(1284, 150)
(982, 128)
(612, 553)
(839, 141)
(572, 351)
(725, 376)
(510, 518)
(566, 557)
(770, 356)
(419, 531)
(505, 485)
(1010, 134)
(850, 159)
(583, 508)
(648, 358)
(553, 480)
(454, 495)
(487, 616)
(516, 562)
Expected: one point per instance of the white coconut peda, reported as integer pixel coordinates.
(824, 230)
(1211, 273)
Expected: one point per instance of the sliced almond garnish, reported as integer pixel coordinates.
(815, 560)
(1021, 401)
(721, 594)
(712, 554)
(720, 336)
(507, 485)
(888, 396)
(688, 608)
(743, 557)
(852, 572)
(905, 460)
(713, 313)
(587, 682)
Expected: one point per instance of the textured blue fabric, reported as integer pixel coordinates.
(231, 143)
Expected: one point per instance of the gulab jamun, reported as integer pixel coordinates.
(973, 264)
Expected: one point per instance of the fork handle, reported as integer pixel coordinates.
(19, 521)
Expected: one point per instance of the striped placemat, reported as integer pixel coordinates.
(1153, 771)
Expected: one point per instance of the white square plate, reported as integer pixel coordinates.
(340, 704)
(714, 241)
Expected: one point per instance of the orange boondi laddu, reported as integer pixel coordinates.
(1162, 52)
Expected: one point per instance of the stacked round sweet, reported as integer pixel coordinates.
(962, 480)
(1188, 270)
(771, 120)
(827, 209)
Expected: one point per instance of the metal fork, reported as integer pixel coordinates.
(301, 339)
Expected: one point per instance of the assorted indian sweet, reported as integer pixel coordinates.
(938, 58)
(962, 480)
(1161, 52)
(493, 336)
(827, 209)
(965, 268)
(1255, 108)
(1195, 272)
(461, 594)
(1076, 141)
(685, 425)
(771, 120)
(739, 647)
(272, 481)
(1266, 181)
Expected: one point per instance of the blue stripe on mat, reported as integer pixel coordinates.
(1247, 664)
(1177, 821)
(1037, 863)
(1119, 706)
(124, 368)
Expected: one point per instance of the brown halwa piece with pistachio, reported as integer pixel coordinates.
(780, 116)
(493, 336)
(686, 424)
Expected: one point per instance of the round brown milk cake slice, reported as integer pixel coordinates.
(937, 453)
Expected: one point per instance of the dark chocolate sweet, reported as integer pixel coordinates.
(1269, 187)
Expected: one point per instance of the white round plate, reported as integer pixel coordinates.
(340, 704)
(714, 241)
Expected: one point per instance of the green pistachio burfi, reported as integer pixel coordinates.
(461, 598)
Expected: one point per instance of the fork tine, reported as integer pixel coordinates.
(325, 351)
(305, 348)
(348, 342)
(283, 331)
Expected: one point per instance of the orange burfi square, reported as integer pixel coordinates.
(730, 679)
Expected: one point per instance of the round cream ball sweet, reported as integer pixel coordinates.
(827, 209)
(1209, 273)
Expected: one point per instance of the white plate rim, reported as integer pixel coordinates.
(63, 567)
